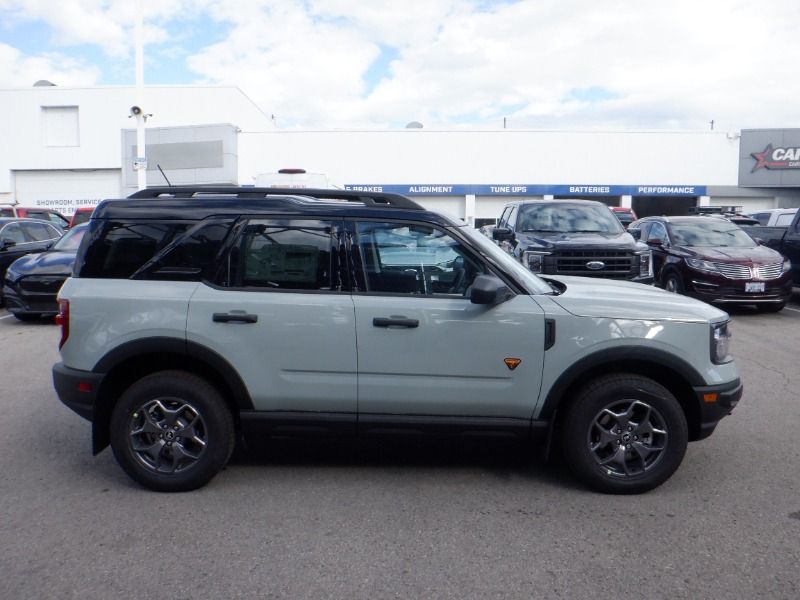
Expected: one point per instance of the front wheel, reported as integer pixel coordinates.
(171, 431)
(673, 283)
(624, 434)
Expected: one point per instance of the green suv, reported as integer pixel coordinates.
(197, 317)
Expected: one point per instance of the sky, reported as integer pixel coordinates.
(448, 64)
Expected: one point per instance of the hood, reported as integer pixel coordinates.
(608, 241)
(45, 263)
(757, 255)
(606, 298)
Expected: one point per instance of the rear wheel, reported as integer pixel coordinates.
(624, 434)
(172, 432)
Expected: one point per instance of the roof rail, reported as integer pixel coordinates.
(371, 199)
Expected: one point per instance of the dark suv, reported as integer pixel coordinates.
(196, 316)
(712, 259)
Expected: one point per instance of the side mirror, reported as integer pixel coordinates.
(502, 233)
(488, 289)
(758, 241)
(636, 233)
(655, 243)
(7, 243)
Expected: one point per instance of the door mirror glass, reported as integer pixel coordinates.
(502, 233)
(636, 233)
(488, 289)
(7, 243)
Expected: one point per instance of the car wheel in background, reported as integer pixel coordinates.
(172, 432)
(673, 283)
(624, 434)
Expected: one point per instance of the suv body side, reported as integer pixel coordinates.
(317, 317)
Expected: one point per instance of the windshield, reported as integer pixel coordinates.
(533, 283)
(70, 241)
(710, 234)
(563, 218)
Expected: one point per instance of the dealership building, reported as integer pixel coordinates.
(70, 147)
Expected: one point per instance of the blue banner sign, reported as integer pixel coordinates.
(516, 189)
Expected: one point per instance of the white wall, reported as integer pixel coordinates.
(103, 113)
(505, 156)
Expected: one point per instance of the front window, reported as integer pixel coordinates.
(70, 241)
(505, 261)
(413, 258)
(714, 233)
(563, 218)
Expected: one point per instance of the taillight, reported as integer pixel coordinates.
(62, 318)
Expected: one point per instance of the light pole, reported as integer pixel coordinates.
(140, 162)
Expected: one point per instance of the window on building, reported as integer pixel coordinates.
(61, 126)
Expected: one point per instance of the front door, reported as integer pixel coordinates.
(423, 347)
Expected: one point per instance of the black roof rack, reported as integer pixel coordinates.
(371, 199)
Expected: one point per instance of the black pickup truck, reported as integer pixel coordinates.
(572, 237)
(785, 240)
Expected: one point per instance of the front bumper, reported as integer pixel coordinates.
(77, 389)
(21, 302)
(716, 402)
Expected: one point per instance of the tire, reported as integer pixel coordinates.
(673, 283)
(27, 317)
(172, 431)
(770, 308)
(624, 434)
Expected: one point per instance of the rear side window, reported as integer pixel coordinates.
(193, 256)
(292, 254)
(39, 232)
(121, 249)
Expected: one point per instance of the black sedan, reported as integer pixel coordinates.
(32, 282)
(19, 237)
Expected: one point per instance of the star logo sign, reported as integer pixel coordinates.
(762, 158)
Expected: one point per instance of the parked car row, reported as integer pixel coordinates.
(707, 256)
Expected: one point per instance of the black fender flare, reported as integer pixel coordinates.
(191, 350)
(611, 356)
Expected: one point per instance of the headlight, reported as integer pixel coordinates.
(12, 275)
(701, 265)
(787, 265)
(534, 260)
(720, 343)
(646, 264)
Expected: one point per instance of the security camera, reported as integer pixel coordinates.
(135, 111)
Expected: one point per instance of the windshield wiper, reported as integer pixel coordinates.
(543, 231)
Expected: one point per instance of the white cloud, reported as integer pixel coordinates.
(17, 70)
(540, 63)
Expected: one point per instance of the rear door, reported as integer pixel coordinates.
(423, 348)
(279, 314)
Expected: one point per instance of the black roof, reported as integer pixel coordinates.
(198, 202)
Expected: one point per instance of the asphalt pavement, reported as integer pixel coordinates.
(402, 520)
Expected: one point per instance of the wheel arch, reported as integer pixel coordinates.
(675, 374)
(130, 362)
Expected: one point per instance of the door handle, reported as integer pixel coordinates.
(395, 322)
(234, 317)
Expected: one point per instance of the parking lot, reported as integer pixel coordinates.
(406, 519)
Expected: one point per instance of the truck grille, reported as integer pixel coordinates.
(771, 271)
(42, 284)
(617, 264)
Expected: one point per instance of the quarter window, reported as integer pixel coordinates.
(13, 232)
(413, 259)
(294, 254)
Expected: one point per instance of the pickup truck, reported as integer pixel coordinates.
(571, 237)
(785, 240)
